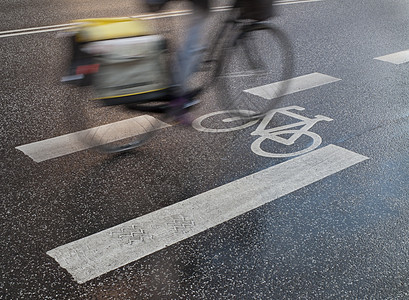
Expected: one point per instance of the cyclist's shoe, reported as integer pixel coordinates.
(184, 119)
(178, 111)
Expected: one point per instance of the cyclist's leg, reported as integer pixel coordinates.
(187, 59)
(189, 54)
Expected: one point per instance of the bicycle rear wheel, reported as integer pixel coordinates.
(254, 70)
(109, 129)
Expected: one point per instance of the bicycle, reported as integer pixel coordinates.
(233, 64)
(273, 134)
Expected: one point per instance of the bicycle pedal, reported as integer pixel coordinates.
(191, 103)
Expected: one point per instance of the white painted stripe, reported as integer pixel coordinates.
(112, 248)
(37, 28)
(167, 15)
(34, 32)
(295, 85)
(178, 13)
(396, 58)
(295, 2)
(74, 142)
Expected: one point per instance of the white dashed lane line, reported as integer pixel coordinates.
(77, 141)
(295, 85)
(112, 248)
(397, 58)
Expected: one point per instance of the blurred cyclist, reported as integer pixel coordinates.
(188, 55)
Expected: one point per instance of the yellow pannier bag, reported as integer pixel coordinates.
(130, 59)
(91, 30)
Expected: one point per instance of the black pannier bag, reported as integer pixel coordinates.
(258, 10)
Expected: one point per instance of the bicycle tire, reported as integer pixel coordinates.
(109, 129)
(249, 80)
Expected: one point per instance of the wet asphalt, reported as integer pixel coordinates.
(343, 237)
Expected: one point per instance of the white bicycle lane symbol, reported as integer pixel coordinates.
(275, 134)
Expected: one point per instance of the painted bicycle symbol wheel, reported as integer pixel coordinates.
(223, 121)
(256, 146)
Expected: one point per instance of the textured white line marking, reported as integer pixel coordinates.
(71, 143)
(296, 84)
(112, 248)
(41, 29)
(396, 58)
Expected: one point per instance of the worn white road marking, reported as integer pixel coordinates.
(74, 142)
(112, 248)
(161, 15)
(295, 85)
(395, 58)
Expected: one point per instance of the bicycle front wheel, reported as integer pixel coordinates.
(254, 70)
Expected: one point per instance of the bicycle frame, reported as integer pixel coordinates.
(273, 133)
(224, 36)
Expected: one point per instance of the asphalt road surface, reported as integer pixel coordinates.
(211, 215)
